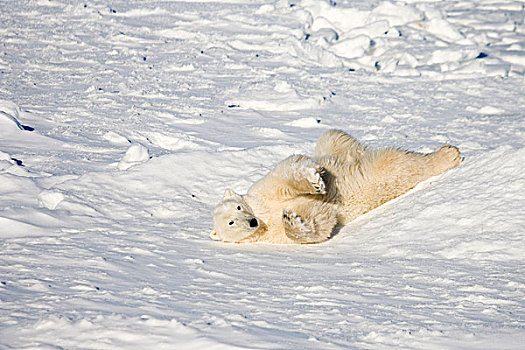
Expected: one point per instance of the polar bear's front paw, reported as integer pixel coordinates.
(310, 178)
(316, 181)
(296, 228)
(307, 175)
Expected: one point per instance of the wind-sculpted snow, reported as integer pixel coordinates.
(437, 39)
(121, 126)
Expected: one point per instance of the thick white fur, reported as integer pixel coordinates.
(303, 198)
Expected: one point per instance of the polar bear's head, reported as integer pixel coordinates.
(234, 220)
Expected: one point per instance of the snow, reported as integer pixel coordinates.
(121, 126)
(135, 154)
(396, 37)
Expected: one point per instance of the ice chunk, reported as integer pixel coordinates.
(135, 154)
(395, 14)
(442, 30)
(343, 19)
(50, 199)
(453, 54)
(352, 47)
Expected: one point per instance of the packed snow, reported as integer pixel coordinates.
(123, 122)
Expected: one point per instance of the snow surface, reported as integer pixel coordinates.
(123, 122)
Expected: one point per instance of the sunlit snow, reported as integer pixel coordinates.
(123, 122)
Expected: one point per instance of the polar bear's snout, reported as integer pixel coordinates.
(254, 222)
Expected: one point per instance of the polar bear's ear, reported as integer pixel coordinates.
(228, 194)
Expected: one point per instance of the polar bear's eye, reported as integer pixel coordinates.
(238, 207)
(231, 223)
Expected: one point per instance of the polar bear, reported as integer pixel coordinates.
(304, 198)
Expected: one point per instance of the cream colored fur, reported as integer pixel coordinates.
(303, 198)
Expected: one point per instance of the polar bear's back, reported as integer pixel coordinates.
(363, 179)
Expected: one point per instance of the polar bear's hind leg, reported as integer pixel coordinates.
(337, 143)
(445, 158)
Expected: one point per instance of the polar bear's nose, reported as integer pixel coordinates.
(253, 222)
